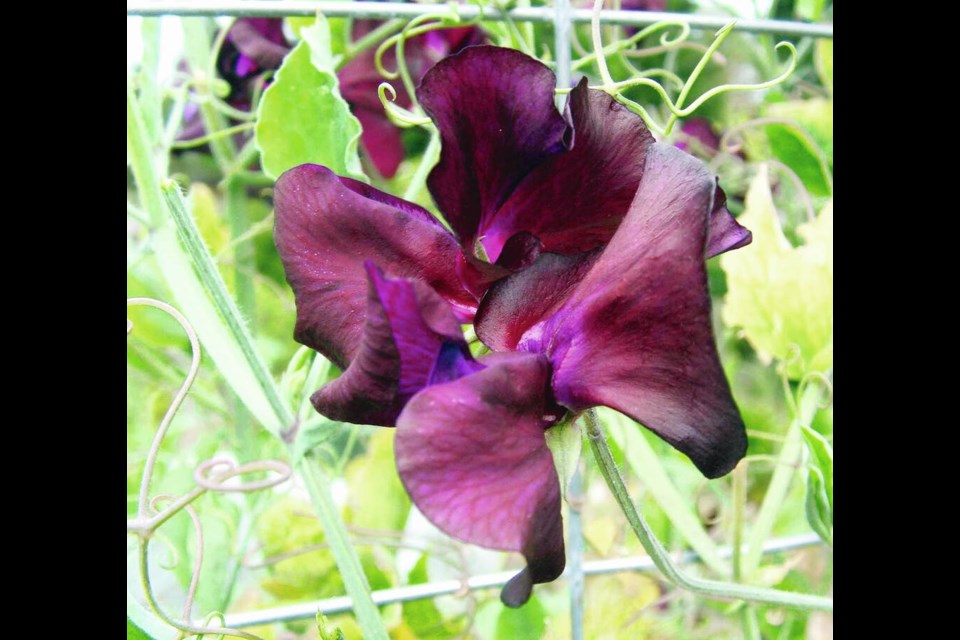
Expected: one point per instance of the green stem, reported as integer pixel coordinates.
(386, 29)
(751, 626)
(430, 156)
(213, 283)
(701, 65)
(661, 558)
(210, 137)
(739, 506)
(783, 474)
(355, 581)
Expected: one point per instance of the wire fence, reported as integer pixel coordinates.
(284, 8)
(340, 604)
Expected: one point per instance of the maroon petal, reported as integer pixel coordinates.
(410, 340)
(635, 334)
(260, 41)
(726, 234)
(473, 457)
(495, 111)
(326, 226)
(574, 201)
(515, 304)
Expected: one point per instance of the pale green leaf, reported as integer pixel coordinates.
(821, 458)
(781, 296)
(377, 499)
(565, 443)
(302, 117)
(818, 510)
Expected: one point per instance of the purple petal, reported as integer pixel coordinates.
(260, 43)
(515, 304)
(701, 130)
(725, 232)
(410, 340)
(574, 201)
(635, 334)
(497, 120)
(473, 457)
(326, 226)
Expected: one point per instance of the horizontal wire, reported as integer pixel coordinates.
(283, 8)
(340, 604)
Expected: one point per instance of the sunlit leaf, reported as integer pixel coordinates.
(136, 633)
(422, 617)
(823, 58)
(302, 117)
(781, 296)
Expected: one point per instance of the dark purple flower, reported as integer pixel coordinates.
(595, 293)
(698, 131)
(381, 139)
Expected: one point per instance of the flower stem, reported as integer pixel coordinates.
(355, 581)
(709, 588)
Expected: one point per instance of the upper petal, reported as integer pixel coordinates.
(473, 457)
(574, 201)
(410, 339)
(495, 112)
(635, 334)
(326, 226)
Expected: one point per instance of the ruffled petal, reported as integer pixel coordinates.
(495, 111)
(473, 457)
(635, 334)
(726, 234)
(326, 226)
(410, 340)
(574, 201)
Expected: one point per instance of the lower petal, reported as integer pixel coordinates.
(473, 457)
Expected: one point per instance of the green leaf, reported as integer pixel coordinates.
(422, 616)
(377, 499)
(302, 117)
(524, 623)
(779, 295)
(817, 507)
(823, 59)
(565, 443)
(136, 633)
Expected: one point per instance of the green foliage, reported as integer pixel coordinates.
(289, 529)
(422, 617)
(377, 499)
(325, 631)
(525, 623)
(819, 502)
(782, 296)
(136, 633)
(302, 117)
(823, 58)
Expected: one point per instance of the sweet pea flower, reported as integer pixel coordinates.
(578, 248)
